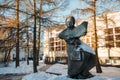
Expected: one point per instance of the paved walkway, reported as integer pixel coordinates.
(44, 68)
(11, 76)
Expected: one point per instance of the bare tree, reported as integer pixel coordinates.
(17, 33)
(39, 31)
(27, 35)
(98, 67)
(45, 19)
(34, 41)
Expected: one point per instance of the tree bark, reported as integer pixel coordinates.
(17, 33)
(34, 41)
(27, 47)
(98, 67)
(39, 32)
(27, 35)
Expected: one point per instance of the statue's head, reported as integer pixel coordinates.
(70, 21)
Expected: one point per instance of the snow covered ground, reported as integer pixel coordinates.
(109, 73)
(23, 68)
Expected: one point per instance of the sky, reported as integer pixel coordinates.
(73, 4)
(112, 5)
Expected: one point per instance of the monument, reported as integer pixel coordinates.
(81, 57)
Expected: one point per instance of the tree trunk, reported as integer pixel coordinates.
(27, 33)
(17, 33)
(8, 54)
(5, 57)
(27, 47)
(39, 31)
(34, 41)
(98, 67)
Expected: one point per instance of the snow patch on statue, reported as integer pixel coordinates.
(85, 47)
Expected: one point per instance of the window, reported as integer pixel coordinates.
(57, 44)
(51, 46)
(117, 30)
(110, 44)
(109, 31)
(117, 37)
(109, 37)
(118, 44)
(112, 37)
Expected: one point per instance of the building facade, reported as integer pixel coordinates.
(54, 48)
(108, 40)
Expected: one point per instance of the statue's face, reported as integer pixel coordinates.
(69, 22)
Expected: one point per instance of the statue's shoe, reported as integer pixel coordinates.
(88, 75)
(80, 77)
(77, 77)
(84, 76)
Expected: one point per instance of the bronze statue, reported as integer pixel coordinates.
(81, 57)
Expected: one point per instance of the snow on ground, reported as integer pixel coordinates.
(58, 69)
(39, 76)
(109, 73)
(23, 68)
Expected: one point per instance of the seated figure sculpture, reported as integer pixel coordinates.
(81, 57)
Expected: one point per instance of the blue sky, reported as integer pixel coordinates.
(113, 5)
(73, 4)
